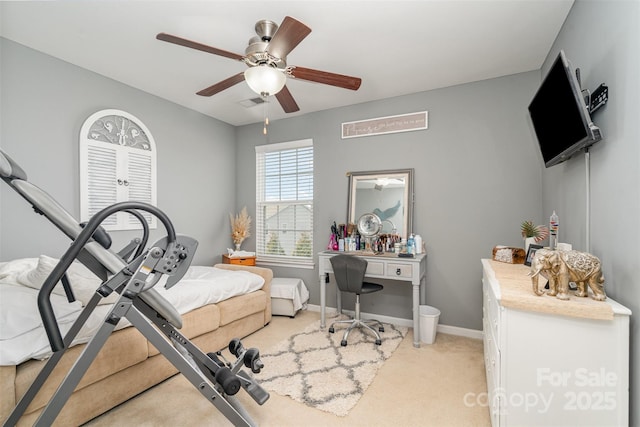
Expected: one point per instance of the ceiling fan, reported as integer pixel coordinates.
(266, 57)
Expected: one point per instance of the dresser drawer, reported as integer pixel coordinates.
(491, 312)
(491, 357)
(239, 261)
(492, 361)
(398, 269)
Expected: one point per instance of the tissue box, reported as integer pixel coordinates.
(509, 254)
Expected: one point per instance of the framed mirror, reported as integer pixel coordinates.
(388, 194)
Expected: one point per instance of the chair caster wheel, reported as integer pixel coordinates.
(381, 329)
(332, 330)
(378, 342)
(343, 343)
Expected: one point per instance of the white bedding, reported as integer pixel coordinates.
(22, 336)
(292, 289)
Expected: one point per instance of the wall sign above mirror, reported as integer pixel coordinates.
(384, 125)
(388, 194)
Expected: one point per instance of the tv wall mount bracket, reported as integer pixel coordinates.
(597, 99)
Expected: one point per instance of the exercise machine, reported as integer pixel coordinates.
(132, 273)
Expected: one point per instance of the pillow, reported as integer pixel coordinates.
(83, 282)
(17, 266)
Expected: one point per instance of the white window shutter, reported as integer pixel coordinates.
(140, 183)
(99, 188)
(117, 164)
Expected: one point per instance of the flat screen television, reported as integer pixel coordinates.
(560, 116)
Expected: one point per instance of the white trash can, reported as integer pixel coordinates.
(429, 317)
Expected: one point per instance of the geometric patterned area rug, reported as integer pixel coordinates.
(313, 368)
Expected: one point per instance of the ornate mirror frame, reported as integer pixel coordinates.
(388, 193)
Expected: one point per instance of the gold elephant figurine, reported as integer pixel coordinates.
(562, 267)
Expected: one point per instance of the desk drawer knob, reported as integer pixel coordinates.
(398, 271)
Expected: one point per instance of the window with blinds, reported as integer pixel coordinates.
(284, 203)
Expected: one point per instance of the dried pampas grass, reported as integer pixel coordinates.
(240, 227)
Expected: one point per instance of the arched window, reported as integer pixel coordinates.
(117, 163)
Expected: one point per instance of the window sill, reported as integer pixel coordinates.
(307, 265)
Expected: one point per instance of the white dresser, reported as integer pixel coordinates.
(551, 362)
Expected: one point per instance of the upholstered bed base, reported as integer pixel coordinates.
(128, 364)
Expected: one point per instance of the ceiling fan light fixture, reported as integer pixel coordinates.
(265, 80)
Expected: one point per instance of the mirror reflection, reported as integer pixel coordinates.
(388, 194)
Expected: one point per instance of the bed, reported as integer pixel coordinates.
(217, 304)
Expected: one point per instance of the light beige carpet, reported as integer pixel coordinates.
(434, 385)
(301, 365)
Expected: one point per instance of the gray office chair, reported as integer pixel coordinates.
(349, 273)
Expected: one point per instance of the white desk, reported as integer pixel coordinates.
(386, 266)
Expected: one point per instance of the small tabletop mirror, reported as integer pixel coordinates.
(386, 193)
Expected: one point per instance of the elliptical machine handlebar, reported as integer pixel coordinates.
(44, 295)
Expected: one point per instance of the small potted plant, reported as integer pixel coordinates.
(533, 233)
(240, 227)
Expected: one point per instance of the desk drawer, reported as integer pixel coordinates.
(398, 269)
(375, 268)
(327, 265)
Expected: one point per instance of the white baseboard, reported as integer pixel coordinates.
(462, 332)
(331, 312)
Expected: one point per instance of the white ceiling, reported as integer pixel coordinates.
(396, 47)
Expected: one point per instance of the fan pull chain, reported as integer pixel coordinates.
(266, 117)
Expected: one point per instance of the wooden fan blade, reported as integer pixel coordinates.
(199, 46)
(339, 80)
(224, 84)
(286, 100)
(289, 34)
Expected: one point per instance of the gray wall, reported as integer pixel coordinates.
(478, 170)
(44, 102)
(477, 177)
(608, 54)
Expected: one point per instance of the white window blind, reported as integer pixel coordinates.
(284, 203)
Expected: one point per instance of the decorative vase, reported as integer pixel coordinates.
(528, 241)
(238, 246)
